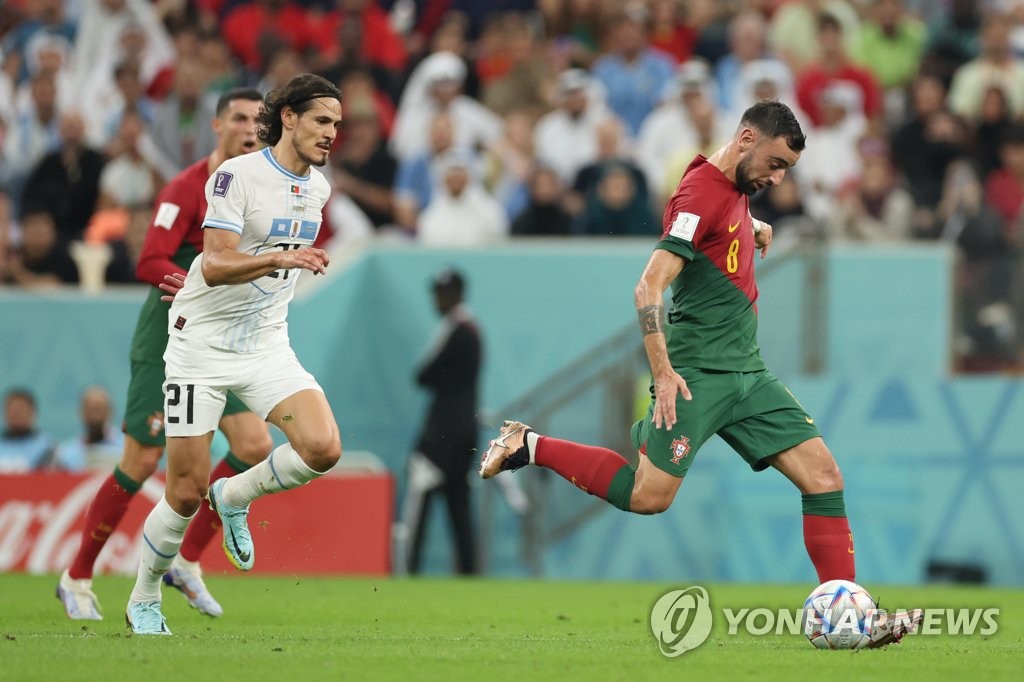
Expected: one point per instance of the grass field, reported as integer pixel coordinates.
(297, 629)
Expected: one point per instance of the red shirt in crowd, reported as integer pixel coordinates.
(815, 79)
(1005, 193)
(245, 26)
(381, 46)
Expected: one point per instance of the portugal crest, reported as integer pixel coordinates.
(680, 448)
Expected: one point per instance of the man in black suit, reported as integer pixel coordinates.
(445, 451)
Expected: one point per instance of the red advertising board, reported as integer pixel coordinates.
(338, 524)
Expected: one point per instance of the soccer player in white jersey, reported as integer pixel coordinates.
(228, 331)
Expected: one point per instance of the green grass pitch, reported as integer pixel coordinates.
(299, 628)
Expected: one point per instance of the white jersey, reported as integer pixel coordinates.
(271, 208)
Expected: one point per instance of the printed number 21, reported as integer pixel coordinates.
(732, 261)
(283, 274)
(174, 399)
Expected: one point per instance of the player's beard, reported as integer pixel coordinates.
(743, 181)
(320, 158)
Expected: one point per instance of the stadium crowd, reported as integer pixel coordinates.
(471, 122)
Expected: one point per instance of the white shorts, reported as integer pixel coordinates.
(198, 378)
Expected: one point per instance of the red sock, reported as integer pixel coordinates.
(830, 545)
(598, 471)
(207, 523)
(105, 512)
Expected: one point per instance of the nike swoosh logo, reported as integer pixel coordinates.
(244, 557)
(809, 420)
(732, 228)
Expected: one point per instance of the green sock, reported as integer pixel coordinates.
(824, 504)
(126, 481)
(620, 490)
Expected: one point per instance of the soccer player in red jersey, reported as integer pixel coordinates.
(173, 240)
(708, 375)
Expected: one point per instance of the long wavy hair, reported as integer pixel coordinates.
(298, 94)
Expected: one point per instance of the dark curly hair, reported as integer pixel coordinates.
(775, 119)
(298, 94)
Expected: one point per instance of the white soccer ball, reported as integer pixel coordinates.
(838, 615)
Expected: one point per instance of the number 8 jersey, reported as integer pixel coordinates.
(272, 209)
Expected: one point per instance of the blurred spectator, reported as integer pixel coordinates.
(996, 66)
(416, 177)
(39, 260)
(923, 147)
(129, 179)
(765, 79)
(520, 85)
(795, 26)
(830, 158)
(612, 152)
(41, 16)
(782, 207)
(747, 43)
(255, 30)
(508, 161)
(544, 215)
(566, 138)
(222, 73)
(102, 29)
(670, 33)
(356, 34)
(433, 88)
(1004, 187)
(618, 208)
(100, 444)
(670, 129)
(49, 55)
(452, 35)
(890, 43)
(357, 84)
(364, 170)
(872, 207)
(833, 66)
(461, 213)
(709, 134)
(576, 26)
(33, 134)
(105, 105)
(953, 38)
(992, 123)
(180, 129)
(281, 66)
(9, 66)
(22, 447)
(71, 173)
(632, 73)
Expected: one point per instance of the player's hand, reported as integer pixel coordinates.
(172, 284)
(666, 387)
(763, 238)
(314, 260)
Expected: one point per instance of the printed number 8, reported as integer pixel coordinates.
(732, 261)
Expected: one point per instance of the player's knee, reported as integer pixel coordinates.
(322, 451)
(827, 478)
(648, 503)
(186, 496)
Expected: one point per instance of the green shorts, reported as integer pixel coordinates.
(144, 407)
(753, 412)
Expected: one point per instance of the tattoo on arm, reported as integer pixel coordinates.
(652, 319)
(287, 418)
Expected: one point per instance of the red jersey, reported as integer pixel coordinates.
(712, 323)
(175, 235)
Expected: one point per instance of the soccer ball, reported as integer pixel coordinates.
(838, 615)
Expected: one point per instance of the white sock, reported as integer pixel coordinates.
(161, 538)
(282, 470)
(531, 444)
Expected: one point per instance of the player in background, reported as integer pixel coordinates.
(228, 332)
(708, 375)
(172, 242)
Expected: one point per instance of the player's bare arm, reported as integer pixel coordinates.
(649, 296)
(224, 264)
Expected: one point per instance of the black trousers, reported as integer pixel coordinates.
(453, 465)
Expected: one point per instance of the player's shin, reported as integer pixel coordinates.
(207, 522)
(282, 470)
(105, 513)
(161, 537)
(827, 536)
(598, 471)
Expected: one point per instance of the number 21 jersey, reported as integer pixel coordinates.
(271, 209)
